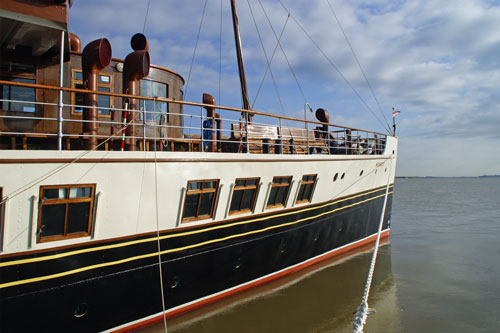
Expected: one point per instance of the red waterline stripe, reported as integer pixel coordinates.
(273, 276)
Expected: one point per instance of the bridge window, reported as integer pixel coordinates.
(279, 192)
(244, 195)
(104, 83)
(17, 98)
(200, 199)
(154, 110)
(65, 211)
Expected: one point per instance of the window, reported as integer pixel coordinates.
(15, 96)
(65, 211)
(279, 192)
(306, 188)
(103, 84)
(200, 199)
(244, 194)
(154, 110)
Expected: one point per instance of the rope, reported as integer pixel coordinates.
(359, 64)
(195, 47)
(282, 50)
(267, 60)
(220, 53)
(158, 242)
(26, 187)
(362, 310)
(146, 17)
(332, 64)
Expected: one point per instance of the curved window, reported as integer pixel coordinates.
(154, 110)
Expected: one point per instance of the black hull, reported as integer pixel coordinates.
(103, 285)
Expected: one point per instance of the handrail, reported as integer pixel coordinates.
(174, 101)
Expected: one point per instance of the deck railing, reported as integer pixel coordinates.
(56, 126)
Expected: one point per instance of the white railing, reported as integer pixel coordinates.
(190, 130)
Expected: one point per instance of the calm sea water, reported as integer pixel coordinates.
(439, 273)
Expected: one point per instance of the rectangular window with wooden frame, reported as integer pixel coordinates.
(15, 98)
(306, 188)
(104, 84)
(279, 192)
(65, 211)
(244, 195)
(200, 198)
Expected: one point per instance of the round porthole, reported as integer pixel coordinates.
(283, 247)
(174, 283)
(238, 263)
(343, 175)
(81, 310)
(336, 176)
(361, 173)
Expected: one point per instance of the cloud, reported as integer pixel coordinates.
(437, 63)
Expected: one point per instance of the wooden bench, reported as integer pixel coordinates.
(272, 139)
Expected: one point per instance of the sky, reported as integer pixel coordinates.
(438, 62)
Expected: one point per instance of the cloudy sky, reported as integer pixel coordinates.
(436, 61)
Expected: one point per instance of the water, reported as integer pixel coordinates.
(439, 273)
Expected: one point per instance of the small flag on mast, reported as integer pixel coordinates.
(395, 112)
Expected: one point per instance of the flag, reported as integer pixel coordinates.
(395, 112)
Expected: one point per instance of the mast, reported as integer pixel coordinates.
(239, 56)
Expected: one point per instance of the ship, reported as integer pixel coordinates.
(117, 212)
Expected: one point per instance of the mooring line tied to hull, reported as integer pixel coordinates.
(363, 311)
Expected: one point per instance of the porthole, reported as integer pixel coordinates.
(81, 310)
(343, 175)
(283, 247)
(385, 170)
(238, 263)
(361, 173)
(336, 176)
(174, 283)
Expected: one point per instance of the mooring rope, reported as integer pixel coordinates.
(362, 310)
(58, 169)
(158, 239)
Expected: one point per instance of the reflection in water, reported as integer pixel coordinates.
(321, 298)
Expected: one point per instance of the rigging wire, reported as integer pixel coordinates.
(267, 60)
(146, 17)
(335, 67)
(282, 50)
(220, 54)
(357, 61)
(192, 59)
(49, 174)
(195, 47)
(158, 235)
